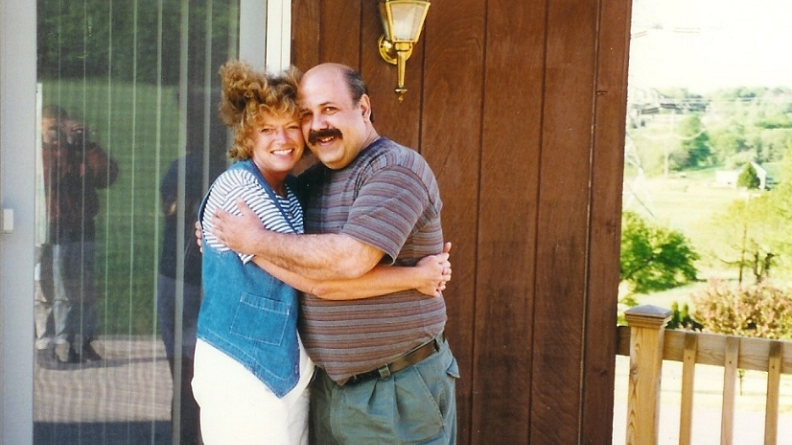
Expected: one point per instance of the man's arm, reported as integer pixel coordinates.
(429, 277)
(317, 257)
(102, 166)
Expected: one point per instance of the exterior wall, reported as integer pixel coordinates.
(519, 107)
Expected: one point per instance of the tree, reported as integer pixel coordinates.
(746, 235)
(695, 142)
(779, 201)
(123, 40)
(654, 257)
(728, 140)
(748, 177)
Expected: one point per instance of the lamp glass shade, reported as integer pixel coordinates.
(403, 20)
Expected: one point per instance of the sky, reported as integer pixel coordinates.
(703, 45)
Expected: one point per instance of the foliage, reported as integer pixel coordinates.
(681, 318)
(740, 159)
(760, 310)
(695, 149)
(773, 144)
(749, 230)
(753, 233)
(727, 141)
(774, 122)
(779, 207)
(625, 303)
(780, 197)
(746, 236)
(654, 257)
(725, 128)
(123, 40)
(748, 177)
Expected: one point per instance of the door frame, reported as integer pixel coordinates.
(18, 137)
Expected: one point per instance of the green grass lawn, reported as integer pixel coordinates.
(687, 203)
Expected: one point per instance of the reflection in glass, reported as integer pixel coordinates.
(74, 168)
(129, 138)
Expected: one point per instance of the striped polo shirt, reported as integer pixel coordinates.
(388, 198)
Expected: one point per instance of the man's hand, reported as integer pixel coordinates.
(234, 231)
(436, 271)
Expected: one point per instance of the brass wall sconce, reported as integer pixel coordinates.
(402, 21)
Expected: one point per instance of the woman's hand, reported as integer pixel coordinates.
(198, 236)
(435, 271)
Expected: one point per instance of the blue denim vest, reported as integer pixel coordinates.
(249, 314)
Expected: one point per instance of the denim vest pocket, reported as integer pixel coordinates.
(261, 319)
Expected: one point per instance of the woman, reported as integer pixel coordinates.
(251, 371)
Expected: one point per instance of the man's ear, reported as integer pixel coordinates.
(365, 106)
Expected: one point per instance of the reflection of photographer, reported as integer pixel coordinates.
(75, 132)
(74, 168)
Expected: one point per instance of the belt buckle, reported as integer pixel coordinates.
(384, 371)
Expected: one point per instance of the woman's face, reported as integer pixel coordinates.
(278, 145)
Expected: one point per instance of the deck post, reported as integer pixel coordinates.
(647, 328)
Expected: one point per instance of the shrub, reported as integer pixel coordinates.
(761, 310)
(681, 319)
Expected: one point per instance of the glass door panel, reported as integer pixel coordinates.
(126, 99)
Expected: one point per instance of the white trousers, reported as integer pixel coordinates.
(238, 409)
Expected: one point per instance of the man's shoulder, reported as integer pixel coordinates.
(385, 152)
(385, 146)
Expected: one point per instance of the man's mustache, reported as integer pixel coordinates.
(323, 133)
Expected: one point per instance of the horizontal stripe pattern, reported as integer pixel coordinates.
(388, 198)
(239, 183)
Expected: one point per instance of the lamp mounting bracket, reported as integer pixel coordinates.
(388, 50)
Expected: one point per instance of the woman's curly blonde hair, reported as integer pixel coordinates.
(249, 96)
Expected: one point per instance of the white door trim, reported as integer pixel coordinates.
(265, 33)
(18, 138)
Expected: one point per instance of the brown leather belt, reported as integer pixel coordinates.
(405, 361)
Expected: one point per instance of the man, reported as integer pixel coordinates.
(387, 374)
(73, 168)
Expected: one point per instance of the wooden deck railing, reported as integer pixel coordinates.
(647, 343)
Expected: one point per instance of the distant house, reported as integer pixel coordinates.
(728, 178)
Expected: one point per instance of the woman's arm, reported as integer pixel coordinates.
(429, 277)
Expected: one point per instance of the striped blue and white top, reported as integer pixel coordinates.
(239, 183)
